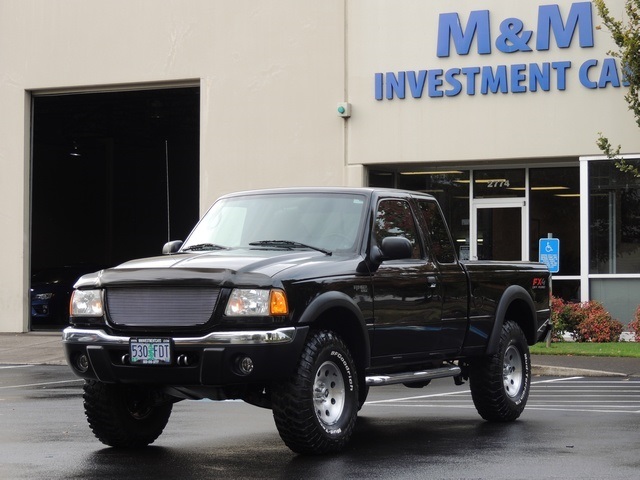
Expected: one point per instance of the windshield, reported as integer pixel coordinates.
(322, 221)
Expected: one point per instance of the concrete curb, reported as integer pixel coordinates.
(549, 371)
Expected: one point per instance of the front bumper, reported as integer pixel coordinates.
(210, 360)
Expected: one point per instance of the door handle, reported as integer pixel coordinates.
(432, 281)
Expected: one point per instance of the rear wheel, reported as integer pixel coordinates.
(500, 383)
(125, 416)
(315, 410)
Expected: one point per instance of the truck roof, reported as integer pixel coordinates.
(368, 191)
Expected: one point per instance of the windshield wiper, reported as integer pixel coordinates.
(203, 246)
(288, 244)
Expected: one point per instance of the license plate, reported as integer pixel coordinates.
(150, 351)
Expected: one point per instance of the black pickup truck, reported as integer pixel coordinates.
(299, 300)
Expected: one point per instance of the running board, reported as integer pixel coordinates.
(412, 377)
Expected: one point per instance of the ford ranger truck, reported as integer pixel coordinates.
(299, 300)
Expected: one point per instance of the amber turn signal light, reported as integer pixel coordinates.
(278, 303)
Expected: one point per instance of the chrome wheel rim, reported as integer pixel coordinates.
(512, 374)
(328, 393)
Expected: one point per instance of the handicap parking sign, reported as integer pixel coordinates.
(549, 249)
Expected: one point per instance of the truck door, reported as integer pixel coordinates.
(407, 306)
(451, 278)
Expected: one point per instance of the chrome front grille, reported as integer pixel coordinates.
(161, 306)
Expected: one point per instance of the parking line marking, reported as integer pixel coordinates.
(556, 380)
(587, 388)
(426, 405)
(15, 366)
(604, 396)
(608, 382)
(572, 401)
(586, 393)
(463, 392)
(580, 410)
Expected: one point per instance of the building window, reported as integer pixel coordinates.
(614, 219)
(554, 203)
(381, 178)
(554, 200)
(505, 183)
(451, 189)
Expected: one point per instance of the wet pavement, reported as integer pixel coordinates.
(572, 428)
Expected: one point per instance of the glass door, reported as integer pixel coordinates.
(498, 228)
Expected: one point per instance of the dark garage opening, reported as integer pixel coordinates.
(114, 176)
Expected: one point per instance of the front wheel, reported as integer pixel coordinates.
(500, 383)
(125, 416)
(315, 410)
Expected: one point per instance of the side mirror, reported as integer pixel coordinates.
(171, 247)
(396, 248)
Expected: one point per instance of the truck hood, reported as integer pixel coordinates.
(223, 268)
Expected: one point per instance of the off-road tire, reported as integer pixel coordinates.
(364, 393)
(500, 383)
(315, 410)
(124, 416)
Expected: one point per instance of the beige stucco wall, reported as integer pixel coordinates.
(271, 74)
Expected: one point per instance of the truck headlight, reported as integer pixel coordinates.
(86, 303)
(256, 302)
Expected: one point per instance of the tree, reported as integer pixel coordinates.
(626, 36)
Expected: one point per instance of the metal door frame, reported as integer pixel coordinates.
(482, 203)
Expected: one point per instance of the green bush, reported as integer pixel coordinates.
(585, 322)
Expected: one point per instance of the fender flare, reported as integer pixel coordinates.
(333, 299)
(512, 293)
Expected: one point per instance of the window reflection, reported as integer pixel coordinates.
(441, 247)
(451, 188)
(393, 219)
(554, 206)
(614, 219)
(505, 183)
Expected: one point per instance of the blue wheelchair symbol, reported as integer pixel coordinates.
(549, 249)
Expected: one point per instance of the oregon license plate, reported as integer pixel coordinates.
(150, 351)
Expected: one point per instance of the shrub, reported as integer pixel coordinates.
(562, 318)
(597, 325)
(585, 322)
(634, 326)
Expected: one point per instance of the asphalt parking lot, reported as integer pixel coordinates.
(581, 421)
(572, 428)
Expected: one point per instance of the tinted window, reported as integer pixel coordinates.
(394, 219)
(441, 247)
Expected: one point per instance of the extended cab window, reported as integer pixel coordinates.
(393, 219)
(441, 246)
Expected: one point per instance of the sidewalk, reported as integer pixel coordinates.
(33, 348)
(45, 348)
(574, 366)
